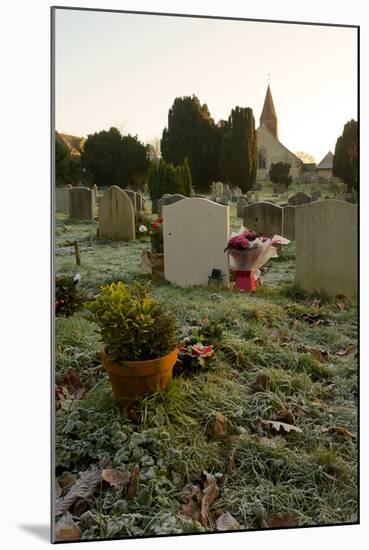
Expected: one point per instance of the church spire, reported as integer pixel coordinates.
(268, 115)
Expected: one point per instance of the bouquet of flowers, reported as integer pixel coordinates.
(249, 251)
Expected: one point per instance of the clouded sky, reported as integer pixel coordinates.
(124, 70)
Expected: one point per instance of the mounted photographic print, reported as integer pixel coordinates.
(205, 240)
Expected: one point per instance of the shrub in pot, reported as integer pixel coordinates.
(140, 340)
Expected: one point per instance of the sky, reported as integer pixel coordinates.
(125, 70)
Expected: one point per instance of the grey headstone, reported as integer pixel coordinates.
(62, 199)
(82, 203)
(299, 198)
(288, 230)
(264, 218)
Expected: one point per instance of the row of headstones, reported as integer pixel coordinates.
(326, 238)
(219, 189)
(268, 219)
(79, 202)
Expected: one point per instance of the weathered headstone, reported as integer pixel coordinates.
(169, 199)
(82, 203)
(218, 188)
(326, 247)
(132, 196)
(288, 229)
(256, 196)
(264, 218)
(196, 232)
(227, 192)
(236, 191)
(116, 215)
(299, 198)
(62, 199)
(241, 203)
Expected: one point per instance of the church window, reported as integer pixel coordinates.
(261, 159)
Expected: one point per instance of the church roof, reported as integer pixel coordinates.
(327, 162)
(268, 111)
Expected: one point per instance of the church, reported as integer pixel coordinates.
(270, 149)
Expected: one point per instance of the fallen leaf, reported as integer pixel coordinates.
(208, 495)
(283, 521)
(66, 529)
(133, 486)
(88, 482)
(226, 522)
(261, 383)
(349, 351)
(116, 478)
(66, 481)
(80, 507)
(134, 414)
(284, 415)
(257, 314)
(278, 426)
(320, 405)
(220, 426)
(70, 389)
(322, 356)
(340, 430)
(341, 306)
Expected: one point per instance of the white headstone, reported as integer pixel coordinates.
(196, 233)
(326, 247)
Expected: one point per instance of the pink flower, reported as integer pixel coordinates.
(239, 242)
(198, 350)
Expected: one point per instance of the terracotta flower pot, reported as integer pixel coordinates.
(132, 379)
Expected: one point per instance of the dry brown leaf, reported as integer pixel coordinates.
(191, 510)
(261, 383)
(341, 306)
(88, 482)
(322, 356)
(283, 521)
(134, 414)
(66, 529)
(116, 478)
(135, 479)
(349, 351)
(220, 426)
(69, 390)
(278, 426)
(284, 415)
(80, 507)
(340, 430)
(258, 315)
(208, 495)
(226, 522)
(320, 405)
(67, 480)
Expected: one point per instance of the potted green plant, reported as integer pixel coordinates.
(140, 340)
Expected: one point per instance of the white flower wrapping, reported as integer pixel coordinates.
(256, 255)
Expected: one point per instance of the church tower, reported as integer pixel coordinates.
(268, 115)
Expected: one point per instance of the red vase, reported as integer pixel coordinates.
(245, 280)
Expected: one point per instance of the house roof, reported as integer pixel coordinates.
(327, 162)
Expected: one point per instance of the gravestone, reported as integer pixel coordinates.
(288, 229)
(82, 203)
(236, 192)
(264, 218)
(256, 196)
(299, 198)
(116, 215)
(139, 201)
(132, 195)
(62, 199)
(218, 189)
(195, 235)
(169, 199)
(257, 186)
(241, 203)
(227, 192)
(326, 247)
